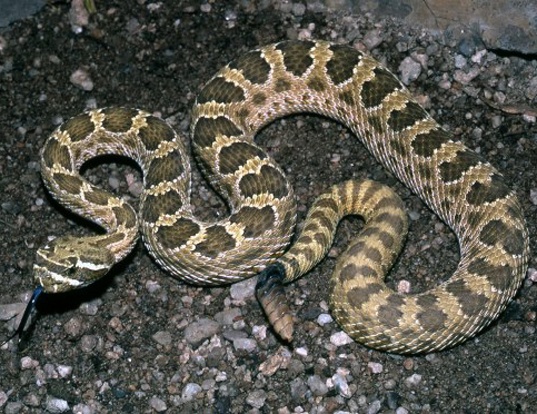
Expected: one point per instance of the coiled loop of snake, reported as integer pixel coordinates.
(262, 85)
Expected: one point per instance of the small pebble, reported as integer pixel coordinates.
(256, 398)
(340, 339)
(409, 70)
(73, 328)
(78, 16)
(3, 398)
(198, 331)
(275, 362)
(228, 316)
(302, 351)
(341, 385)
(317, 385)
(374, 407)
(64, 370)
(163, 338)
(157, 404)
(83, 409)
(190, 391)
(57, 405)
(372, 39)
(403, 286)
(152, 286)
(408, 363)
(245, 344)
(81, 79)
(324, 319)
(466, 77)
(413, 381)
(113, 182)
(88, 343)
(298, 389)
(375, 367)
(241, 291)
(460, 61)
(532, 274)
(28, 363)
(90, 308)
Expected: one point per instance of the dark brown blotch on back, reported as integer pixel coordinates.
(71, 184)
(320, 217)
(281, 85)
(236, 155)
(454, 169)
(348, 272)
(268, 181)
(155, 132)
(500, 277)
(327, 203)
(488, 192)
(389, 203)
(432, 317)
(78, 127)
(125, 216)
(357, 296)
(400, 119)
(394, 220)
(341, 65)
(470, 302)
(256, 221)
(376, 123)
(207, 129)
(390, 313)
(177, 234)
(321, 239)
(118, 119)
(373, 254)
(317, 84)
(259, 99)
(97, 196)
(427, 143)
(217, 241)
(399, 146)
(356, 248)
(168, 203)
(166, 168)
(348, 97)
(221, 91)
(110, 239)
(253, 67)
(386, 239)
(55, 153)
(376, 89)
(496, 232)
(296, 56)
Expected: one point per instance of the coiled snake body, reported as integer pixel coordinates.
(262, 85)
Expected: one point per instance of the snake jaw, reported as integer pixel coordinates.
(69, 263)
(271, 295)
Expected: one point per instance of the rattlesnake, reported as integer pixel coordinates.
(341, 83)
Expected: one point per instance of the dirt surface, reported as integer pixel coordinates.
(140, 341)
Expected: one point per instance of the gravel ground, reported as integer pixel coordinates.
(141, 342)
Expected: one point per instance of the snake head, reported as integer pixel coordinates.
(69, 263)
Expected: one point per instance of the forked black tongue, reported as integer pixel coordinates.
(26, 315)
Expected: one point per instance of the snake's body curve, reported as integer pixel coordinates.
(341, 83)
